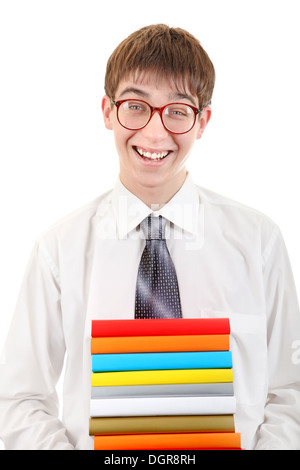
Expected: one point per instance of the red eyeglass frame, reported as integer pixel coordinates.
(153, 109)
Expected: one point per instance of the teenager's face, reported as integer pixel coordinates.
(137, 172)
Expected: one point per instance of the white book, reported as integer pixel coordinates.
(160, 406)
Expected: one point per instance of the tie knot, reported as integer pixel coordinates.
(154, 227)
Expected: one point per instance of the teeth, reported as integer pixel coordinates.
(152, 156)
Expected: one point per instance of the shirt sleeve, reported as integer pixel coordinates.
(281, 426)
(32, 361)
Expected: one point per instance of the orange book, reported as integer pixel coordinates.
(182, 441)
(182, 343)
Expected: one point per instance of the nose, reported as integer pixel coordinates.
(155, 129)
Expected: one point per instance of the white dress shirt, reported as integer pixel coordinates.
(230, 261)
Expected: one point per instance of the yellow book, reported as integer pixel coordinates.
(190, 376)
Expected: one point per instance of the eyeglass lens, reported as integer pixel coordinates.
(178, 117)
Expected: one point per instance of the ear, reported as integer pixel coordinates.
(107, 112)
(203, 121)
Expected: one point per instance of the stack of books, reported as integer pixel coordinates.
(162, 384)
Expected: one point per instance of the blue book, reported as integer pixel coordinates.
(161, 361)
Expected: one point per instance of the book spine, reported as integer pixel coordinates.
(139, 344)
(100, 407)
(160, 327)
(187, 390)
(168, 441)
(159, 361)
(161, 424)
(191, 376)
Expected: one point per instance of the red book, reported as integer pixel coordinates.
(160, 327)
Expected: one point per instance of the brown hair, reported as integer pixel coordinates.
(166, 52)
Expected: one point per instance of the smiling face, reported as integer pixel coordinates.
(152, 159)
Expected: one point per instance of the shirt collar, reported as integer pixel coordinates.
(181, 210)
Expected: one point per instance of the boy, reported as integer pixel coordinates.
(230, 261)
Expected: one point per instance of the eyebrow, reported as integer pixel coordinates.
(182, 96)
(136, 91)
(172, 96)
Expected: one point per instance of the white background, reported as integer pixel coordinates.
(56, 154)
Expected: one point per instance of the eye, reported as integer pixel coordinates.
(178, 111)
(135, 106)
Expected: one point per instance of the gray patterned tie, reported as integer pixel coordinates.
(157, 293)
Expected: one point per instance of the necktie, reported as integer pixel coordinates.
(157, 293)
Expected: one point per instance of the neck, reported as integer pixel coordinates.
(155, 197)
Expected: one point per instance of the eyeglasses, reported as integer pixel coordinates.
(177, 118)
